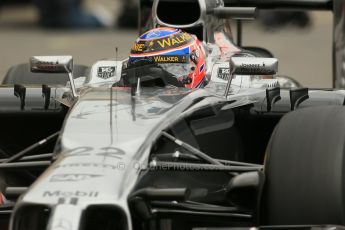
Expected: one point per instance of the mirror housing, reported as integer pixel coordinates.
(253, 66)
(54, 64)
(51, 64)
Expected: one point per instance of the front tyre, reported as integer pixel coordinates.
(305, 169)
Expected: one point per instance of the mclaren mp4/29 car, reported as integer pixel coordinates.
(124, 145)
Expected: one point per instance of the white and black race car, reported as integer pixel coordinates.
(247, 150)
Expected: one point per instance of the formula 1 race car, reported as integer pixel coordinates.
(133, 145)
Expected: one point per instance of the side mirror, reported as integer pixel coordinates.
(54, 64)
(251, 66)
(244, 190)
(51, 64)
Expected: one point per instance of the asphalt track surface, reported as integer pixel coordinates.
(303, 54)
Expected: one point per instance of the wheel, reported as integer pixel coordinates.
(305, 165)
(20, 74)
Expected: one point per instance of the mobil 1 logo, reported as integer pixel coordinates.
(71, 194)
(223, 73)
(72, 177)
(106, 72)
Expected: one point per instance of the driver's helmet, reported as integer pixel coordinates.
(177, 52)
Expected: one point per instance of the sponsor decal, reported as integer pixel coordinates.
(153, 34)
(252, 65)
(250, 68)
(118, 166)
(161, 44)
(68, 200)
(179, 39)
(90, 194)
(49, 66)
(138, 47)
(106, 72)
(47, 63)
(170, 59)
(159, 32)
(87, 165)
(223, 73)
(72, 177)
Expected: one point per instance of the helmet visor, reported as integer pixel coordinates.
(177, 69)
